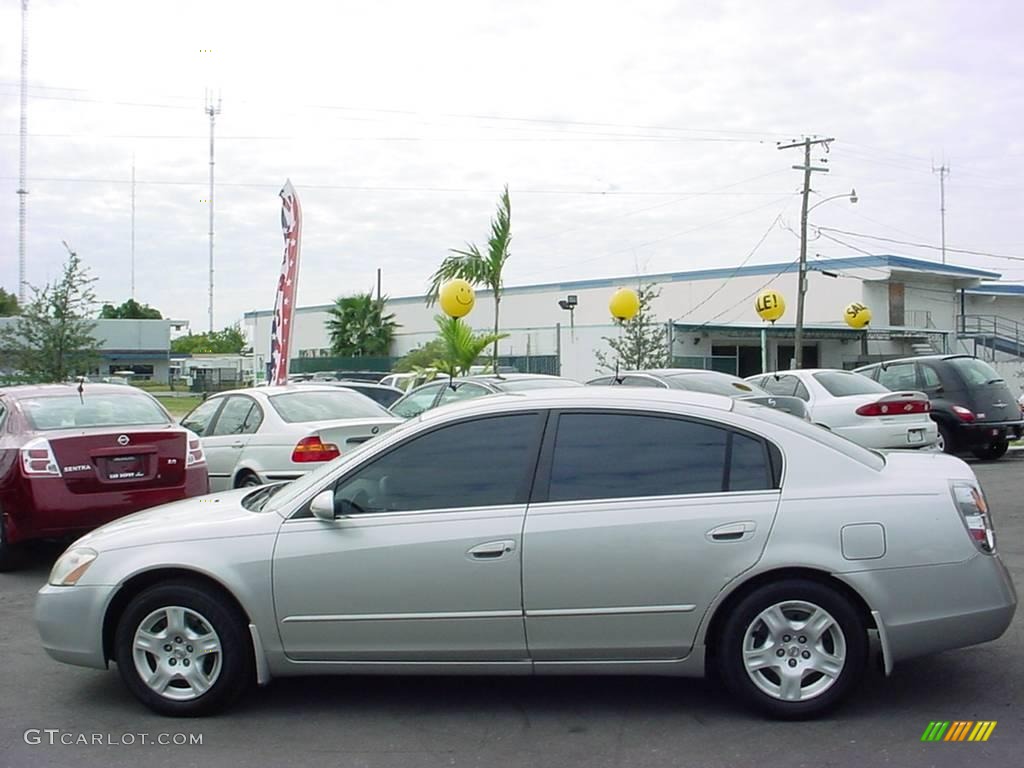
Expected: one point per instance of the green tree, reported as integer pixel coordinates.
(642, 343)
(8, 304)
(227, 342)
(461, 347)
(481, 268)
(421, 357)
(52, 339)
(130, 310)
(359, 328)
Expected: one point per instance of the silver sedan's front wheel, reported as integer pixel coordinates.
(182, 648)
(792, 648)
(177, 653)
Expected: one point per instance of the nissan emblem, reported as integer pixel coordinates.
(122, 440)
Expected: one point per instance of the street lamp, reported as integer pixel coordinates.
(801, 290)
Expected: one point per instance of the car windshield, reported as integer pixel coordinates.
(714, 384)
(842, 384)
(866, 456)
(521, 385)
(974, 371)
(297, 407)
(92, 410)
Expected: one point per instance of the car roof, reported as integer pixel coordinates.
(801, 372)
(491, 377)
(916, 358)
(276, 389)
(575, 397)
(674, 372)
(36, 390)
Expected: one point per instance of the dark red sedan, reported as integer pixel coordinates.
(74, 457)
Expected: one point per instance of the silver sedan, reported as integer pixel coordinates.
(261, 435)
(579, 531)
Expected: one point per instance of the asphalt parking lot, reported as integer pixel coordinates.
(495, 721)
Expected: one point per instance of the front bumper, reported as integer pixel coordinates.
(70, 623)
(939, 607)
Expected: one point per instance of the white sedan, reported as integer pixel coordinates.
(257, 436)
(858, 408)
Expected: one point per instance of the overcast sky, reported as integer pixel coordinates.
(633, 137)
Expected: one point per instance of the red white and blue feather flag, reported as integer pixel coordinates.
(287, 286)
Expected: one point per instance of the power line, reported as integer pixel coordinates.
(965, 251)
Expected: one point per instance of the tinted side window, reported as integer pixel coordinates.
(801, 390)
(642, 381)
(899, 376)
(477, 463)
(241, 416)
(605, 455)
(466, 391)
(603, 381)
(199, 420)
(780, 385)
(417, 402)
(930, 377)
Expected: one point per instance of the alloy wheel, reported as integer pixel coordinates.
(177, 653)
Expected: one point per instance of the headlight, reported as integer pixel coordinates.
(71, 565)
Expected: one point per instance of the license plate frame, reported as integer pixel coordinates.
(915, 435)
(119, 468)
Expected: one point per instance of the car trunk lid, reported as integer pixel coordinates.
(348, 433)
(103, 460)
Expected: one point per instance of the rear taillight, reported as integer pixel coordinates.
(37, 459)
(964, 414)
(894, 408)
(195, 454)
(970, 501)
(313, 449)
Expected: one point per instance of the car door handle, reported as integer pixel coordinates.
(238, 444)
(492, 550)
(732, 531)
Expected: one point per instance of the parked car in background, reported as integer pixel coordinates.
(562, 532)
(370, 376)
(256, 436)
(383, 396)
(73, 457)
(856, 407)
(700, 380)
(412, 379)
(970, 402)
(447, 390)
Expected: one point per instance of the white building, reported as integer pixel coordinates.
(710, 320)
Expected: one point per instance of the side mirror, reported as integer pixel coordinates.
(322, 506)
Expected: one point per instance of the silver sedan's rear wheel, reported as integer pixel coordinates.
(793, 648)
(183, 649)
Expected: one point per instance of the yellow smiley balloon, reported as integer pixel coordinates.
(770, 305)
(624, 304)
(457, 298)
(857, 315)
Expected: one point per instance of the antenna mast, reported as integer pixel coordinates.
(212, 111)
(23, 157)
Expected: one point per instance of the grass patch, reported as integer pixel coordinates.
(179, 406)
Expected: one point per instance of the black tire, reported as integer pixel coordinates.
(993, 451)
(227, 676)
(247, 479)
(12, 556)
(947, 441)
(815, 693)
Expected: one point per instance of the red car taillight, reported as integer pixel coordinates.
(894, 408)
(37, 459)
(970, 501)
(194, 455)
(312, 449)
(964, 414)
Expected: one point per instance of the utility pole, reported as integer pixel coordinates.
(943, 171)
(212, 111)
(808, 169)
(23, 158)
(133, 229)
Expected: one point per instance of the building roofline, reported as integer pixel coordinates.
(997, 290)
(751, 270)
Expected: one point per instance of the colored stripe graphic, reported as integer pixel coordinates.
(959, 730)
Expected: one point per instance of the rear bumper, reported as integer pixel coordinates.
(890, 436)
(980, 433)
(70, 623)
(45, 507)
(940, 607)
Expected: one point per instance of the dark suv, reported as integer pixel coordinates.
(971, 403)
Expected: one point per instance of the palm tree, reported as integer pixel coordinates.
(478, 268)
(359, 327)
(461, 346)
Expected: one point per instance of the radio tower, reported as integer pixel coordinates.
(212, 111)
(22, 157)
